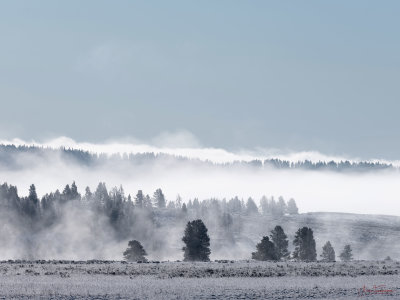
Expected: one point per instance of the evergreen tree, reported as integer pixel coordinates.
(235, 205)
(265, 250)
(178, 202)
(101, 195)
(190, 204)
(67, 193)
(264, 205)
(32, 204)
(279, 238)
(159, 199)
(74, 192)
(292, 207)
(196, 204)
(281, 206)
(346, 254)
(251, 207)
(139, 199)
(304, 245)
(272, 207)
(33, 197)
(135, 252)
(197, 242)
(226, 220)
(328, 253)
(184, 209)
(88, 194)
(147, 202)
(171, 205)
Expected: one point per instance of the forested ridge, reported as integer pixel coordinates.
(10, 158)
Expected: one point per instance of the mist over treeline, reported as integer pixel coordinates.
(73, 224)
(105, 218)
(10, 157)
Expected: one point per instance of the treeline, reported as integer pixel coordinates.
(115, 203)
(136, 216)
(272, 248)
(9, 158)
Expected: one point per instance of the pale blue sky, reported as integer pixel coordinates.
(300, 75)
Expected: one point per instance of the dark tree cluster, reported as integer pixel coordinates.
(275, 247)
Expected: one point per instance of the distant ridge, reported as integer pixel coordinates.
(10, 158)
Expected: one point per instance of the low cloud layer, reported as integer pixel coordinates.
(184, 143)
(367, 193)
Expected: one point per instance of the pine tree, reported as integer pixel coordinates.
(265, 250)
(184, 209)
(135, 252)
(33, 197)
(101, 195)
(67, 194)
(159, 199)
(32, 206)
(328, 253)
(279, 238)
(88, 194)
(178, 201)
(264, 205)
(139, 199)
(346, 254)
(147, 202)
(292, 207)
(197, 242)
(171, 205)
(304, 245)
(74, 192)
(251, 207)
(281, 206)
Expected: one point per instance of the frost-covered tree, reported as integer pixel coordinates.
(135, 252)
(328, 253)
(265, 250)
(197, 242)
(292, 207)
(347, 253)
(304, 245)
(279, 238)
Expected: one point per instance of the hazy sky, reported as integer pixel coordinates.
(301, 75)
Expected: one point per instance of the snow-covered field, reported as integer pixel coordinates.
(215, 280)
